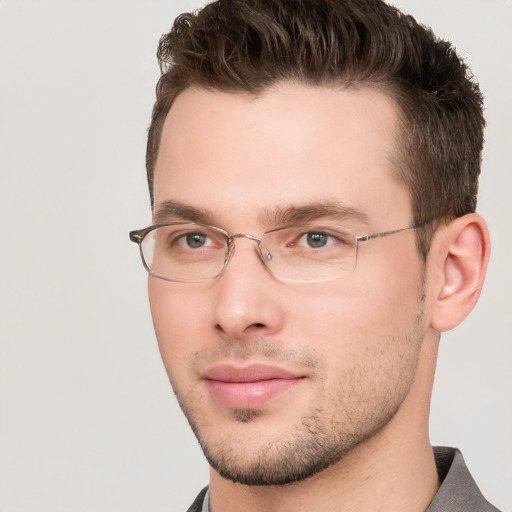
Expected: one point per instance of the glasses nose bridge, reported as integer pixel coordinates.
(231, 246)
(243, 235)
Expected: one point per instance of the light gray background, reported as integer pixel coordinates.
(88, 421)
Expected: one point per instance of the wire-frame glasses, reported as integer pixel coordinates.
(194, 252)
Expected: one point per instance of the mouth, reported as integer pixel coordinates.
(249, 387)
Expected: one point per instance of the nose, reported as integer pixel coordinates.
(248, 300)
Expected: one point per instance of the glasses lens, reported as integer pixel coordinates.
(184, 252)
(309, 253)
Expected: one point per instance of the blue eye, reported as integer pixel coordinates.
(195, 240)
(316, 240)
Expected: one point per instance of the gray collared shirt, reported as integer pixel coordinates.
(458, 491)
(206, 502)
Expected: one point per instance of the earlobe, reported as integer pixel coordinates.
(462, 250)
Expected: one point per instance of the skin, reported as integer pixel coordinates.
(363, 347)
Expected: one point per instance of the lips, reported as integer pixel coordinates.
(249, 387)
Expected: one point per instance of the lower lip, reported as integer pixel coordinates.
(249, 395)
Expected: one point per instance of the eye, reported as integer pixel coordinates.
(316, 239)
(195, 240)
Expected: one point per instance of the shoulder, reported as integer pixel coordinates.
(458, 491)
(198, 502)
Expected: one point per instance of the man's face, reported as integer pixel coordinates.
(282, 379)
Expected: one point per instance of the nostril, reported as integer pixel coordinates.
(250, 328)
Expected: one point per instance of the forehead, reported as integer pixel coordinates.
(293, 144)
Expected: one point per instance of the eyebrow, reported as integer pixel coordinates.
(332, 211)
(175, 210)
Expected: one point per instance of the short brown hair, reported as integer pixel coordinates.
(250, 45)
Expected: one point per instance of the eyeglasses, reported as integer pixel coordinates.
(194, 252)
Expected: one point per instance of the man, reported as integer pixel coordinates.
(313, 168)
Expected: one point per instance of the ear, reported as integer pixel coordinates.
(461, 252)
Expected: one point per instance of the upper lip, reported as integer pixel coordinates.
(250, 373)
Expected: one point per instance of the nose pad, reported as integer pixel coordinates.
(264, 254)
(230, 250)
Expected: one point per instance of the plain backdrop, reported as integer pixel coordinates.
(88, 421)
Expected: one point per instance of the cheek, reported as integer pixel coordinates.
(393, 282)
(179, 321)
(353, 316)
(367, 338)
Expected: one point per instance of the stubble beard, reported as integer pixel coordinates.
(305, 452)
(320, 439)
